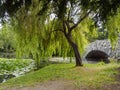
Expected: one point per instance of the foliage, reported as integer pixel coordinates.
(43, 40)
(8, 66)
(39, 37)
(80, 34)
(7, 38)
(92, 75)
(103, 8)
(113, 27)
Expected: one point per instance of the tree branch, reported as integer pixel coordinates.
(69, 12)
(80, 20)
(64, 28)
(67, 24)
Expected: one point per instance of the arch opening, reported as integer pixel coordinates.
(97, 56)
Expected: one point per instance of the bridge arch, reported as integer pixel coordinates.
(97, 55)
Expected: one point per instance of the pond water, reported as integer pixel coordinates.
(17, 73)
(5, 77)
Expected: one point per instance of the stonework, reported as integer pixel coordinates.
(104, 46)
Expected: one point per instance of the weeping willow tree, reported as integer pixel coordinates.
(113, 27)
(45, 27)
(43, 37)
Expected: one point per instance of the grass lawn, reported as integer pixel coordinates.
(91, 75)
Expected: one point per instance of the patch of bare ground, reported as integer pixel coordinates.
(115, 86)
(50, 85)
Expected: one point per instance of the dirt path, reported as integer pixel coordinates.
(67, 85)
(50, 85)
(115, 86)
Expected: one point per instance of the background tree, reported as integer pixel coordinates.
(67, 16)
(7, 39)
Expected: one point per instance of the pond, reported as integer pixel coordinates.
(5, 77)
(6, 74)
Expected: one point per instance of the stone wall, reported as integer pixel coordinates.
(104, 46)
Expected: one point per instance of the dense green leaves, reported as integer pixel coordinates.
(113, 27)
(8, 66)
(7, 38)
(42, 26)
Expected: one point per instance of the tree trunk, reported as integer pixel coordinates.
(76, 51)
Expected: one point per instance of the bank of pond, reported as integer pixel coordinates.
(10, 68)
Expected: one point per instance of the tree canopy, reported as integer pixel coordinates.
(103, 8)
(45, 27)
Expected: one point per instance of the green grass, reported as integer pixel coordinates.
(91, 75)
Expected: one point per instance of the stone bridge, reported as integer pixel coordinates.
(102, 50)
